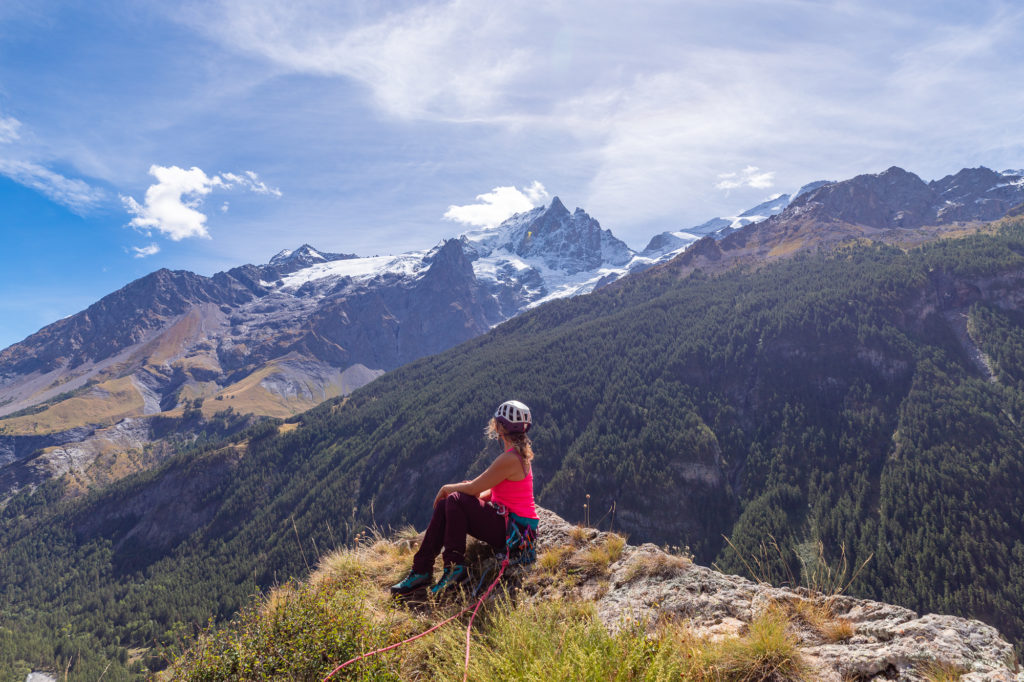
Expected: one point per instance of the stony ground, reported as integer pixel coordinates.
(843, 638)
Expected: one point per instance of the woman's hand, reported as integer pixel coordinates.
(446, 490)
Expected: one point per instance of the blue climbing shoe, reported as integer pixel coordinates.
(411, 583)
(452, 577)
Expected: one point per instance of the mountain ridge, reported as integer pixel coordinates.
(894, 206)
(278, 338)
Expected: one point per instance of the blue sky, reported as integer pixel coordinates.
(203, 135)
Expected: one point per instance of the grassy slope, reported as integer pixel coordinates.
(104, 403)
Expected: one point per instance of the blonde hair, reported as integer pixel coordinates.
(520, 441)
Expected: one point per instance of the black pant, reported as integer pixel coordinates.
(454, 517)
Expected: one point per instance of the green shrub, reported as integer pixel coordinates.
(294, 634)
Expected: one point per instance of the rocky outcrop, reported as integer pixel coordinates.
(894, 198)
(881, 641)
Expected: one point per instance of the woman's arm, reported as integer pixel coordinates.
(506, 465)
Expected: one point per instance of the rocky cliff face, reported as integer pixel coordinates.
(841, 637)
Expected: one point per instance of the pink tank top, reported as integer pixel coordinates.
(517, 496)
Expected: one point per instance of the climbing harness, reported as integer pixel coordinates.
(520, 535)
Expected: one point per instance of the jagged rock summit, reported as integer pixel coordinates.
(885, 642)
(572, 242)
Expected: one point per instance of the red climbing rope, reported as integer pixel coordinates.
(469, 627)
(427, 632)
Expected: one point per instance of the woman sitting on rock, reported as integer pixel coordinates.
(479, 507)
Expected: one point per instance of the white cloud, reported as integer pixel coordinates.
(497, 205)
(751, 176)
(9, 129)
(171, 206)
(143, 251)
(250, 181)
(77, 195)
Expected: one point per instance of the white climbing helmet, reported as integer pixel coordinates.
(514, 416)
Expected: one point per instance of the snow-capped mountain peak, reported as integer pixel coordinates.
(534, 256)
(288, 261)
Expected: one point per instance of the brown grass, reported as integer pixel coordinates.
(553, 560)
(818, 616)
(596, 559)
(768, 651)
(937, 671)
(659, 565)
(580, 535)
(248, 396)
(105, 403)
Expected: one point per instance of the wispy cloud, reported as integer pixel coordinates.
(250, 181)
(648, 110)
(9, 129)
(447, 60)
(143, 251)
(77, 195)
(497, 205)
(171, 206)
(751, 176)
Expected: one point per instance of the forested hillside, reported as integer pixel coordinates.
(870, 398)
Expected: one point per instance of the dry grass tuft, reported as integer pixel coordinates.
(818, 616)
(643, 565)
(579, 535)
(838, 630)
(768, 651)
(598, 558)
(553, 560)
(937, 671)
(372, 557)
